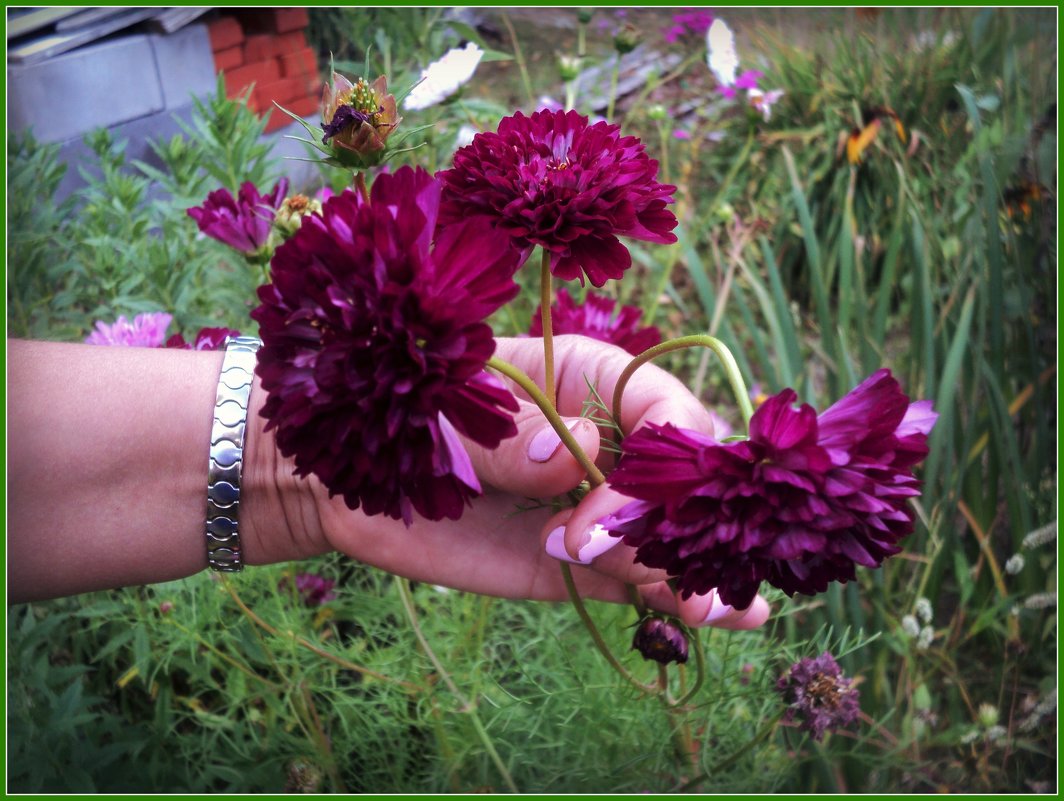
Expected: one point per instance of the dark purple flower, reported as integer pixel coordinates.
(206, 339)
(147, 330)
(554, 180)
(819, 695)
(798, 504)
(374, 348)
(314, 589)
(243, 223)
(661, 640)
(597, 318)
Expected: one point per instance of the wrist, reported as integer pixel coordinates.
(279, 514)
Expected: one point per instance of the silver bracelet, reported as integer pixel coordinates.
(227, 454)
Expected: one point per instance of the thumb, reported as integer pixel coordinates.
(535, 463)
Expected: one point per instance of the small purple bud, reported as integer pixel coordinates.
(662, 640)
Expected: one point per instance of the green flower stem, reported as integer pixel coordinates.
(520, 59)
(613, 88)
(596, 637)
(522, 380)
(762, 735)
(469, 707)
(731, 369)
(545, 298)
(360, 185)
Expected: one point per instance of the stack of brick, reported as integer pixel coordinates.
(267, 49)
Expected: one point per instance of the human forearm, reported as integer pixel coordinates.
(107, 468)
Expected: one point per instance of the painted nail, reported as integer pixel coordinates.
(717, 609)
(546, 442)
(598, 542)
(556, 546)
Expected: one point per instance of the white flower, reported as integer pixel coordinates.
(922, 607)
(723, 58)
(1015, 564)
(1040, 536)
(764, 101)
(441, 79)
(927, 635)
(465, 136)
(910, 626)
(1041, 600)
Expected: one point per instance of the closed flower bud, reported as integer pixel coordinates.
(988, 715)
(583, 15)
(657, 112)
(662, 640)
(627, 38)
(569, 67)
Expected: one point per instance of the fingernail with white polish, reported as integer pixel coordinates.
(556, 546)
(717, 609)
(546, 442)
(600, 541)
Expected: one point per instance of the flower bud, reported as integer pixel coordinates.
(657, 112)
(988, 715)
(166, 607)
(662, 640)
(569, 67)
(291, 212)
(627, 38)
(357, 119)
(583, 15)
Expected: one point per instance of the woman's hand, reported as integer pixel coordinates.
(503, 544)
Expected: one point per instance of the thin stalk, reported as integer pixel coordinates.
(323, 742)
(258, 621)
(520, 59)
(596, 637)
(664, 139)
(224, 656)
(546, 295)
(519, 377)
(469, 707)
(614, 78)
(731, 369)
(734, 757)
(360, 185)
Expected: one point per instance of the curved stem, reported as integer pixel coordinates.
(596, 637)
(731, 369)
(613, 88)
(545, 298)
(469, 707)
(519, 377)
(734, 757)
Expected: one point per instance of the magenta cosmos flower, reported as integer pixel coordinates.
(572, 188)
(374, 348)
(598, 318)
(798, 504)
(819, 696)
(147, 330)
(243, 223)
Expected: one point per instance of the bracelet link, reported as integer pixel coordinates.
(226, 458)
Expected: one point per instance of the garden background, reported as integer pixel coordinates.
(817, 254)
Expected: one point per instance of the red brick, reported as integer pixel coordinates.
(258, 47)
(258, 73)
(290, 19)
(304, 107)
(225, 32)
(278, 119)
(289, 43)
(302, 64)
(228, 59)
(282, 91)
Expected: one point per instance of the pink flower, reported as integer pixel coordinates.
(819, 695)
(572, 188)
(314, 589)
(374, 347)
(799, 504)
(147, 330)
(598, 318)
(243, 223)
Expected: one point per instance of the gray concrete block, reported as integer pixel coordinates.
(185, 63)
(104, 84)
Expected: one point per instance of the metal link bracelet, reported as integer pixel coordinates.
(227, 454)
